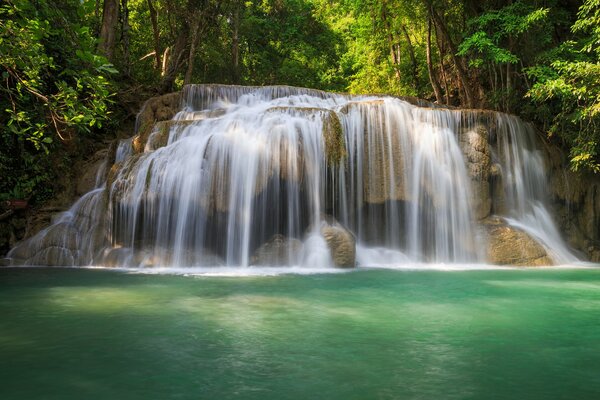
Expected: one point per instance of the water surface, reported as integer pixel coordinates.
(368, 334)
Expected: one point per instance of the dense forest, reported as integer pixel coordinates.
(74, 70)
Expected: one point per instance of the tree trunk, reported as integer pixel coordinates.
(156, 33)
(391, 40)
(462, 74)
(413, 58)
(235, 44)
(432, 78)
(165, 61)
(125, 29)
(174, 61)
(108, 30)
(443, 74)
(192, 53)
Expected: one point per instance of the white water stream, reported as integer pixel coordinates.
(243, 164)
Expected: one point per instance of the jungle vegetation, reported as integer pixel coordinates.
(72, 70)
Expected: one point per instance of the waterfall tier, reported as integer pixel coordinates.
(288, 176)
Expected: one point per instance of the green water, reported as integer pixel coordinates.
(378, 334)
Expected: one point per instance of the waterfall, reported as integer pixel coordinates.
(282, 175)
(526, 186)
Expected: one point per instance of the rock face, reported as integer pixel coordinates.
(507, 245)
(91, 170)
(576, 200)
(278, 250)
(341, 243)
(156, 109)
(383, 165)
(475, 146)
(58, 247)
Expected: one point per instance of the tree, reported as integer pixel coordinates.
(54, 87)
(108, 30)
(568, 83)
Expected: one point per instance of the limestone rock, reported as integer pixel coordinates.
(160, 108)
(156, 109)
(279, 250)
(507, 245)
(87, 180)
(60, 235)
(475, 147)
(383, 153)
(161, 131)
(341, 243)
(54, 257)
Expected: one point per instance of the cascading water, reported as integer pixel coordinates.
(526, 192)
(246, 175)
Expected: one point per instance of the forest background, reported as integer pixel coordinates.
(73, 72)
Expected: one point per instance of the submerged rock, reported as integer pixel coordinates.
(507, 245)
(279, 250)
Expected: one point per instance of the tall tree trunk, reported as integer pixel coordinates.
(156, 33)
(165, 61)
(192, 53)
(235, 44)
(108, 30)
(125, 29)
(443, 74)
(442, 31)
(391, 41)
(413, 58)
(174, 61)
(432, 78)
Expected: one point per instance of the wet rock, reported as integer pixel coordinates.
(161, 132)
(341, 243)
(61, 235)
(117, 257)
(87, 180)
(156, 109)
(475, 147)
(507, 245)
(160, 108)
(383, 153)
(279, 250)
(497, 195)
(54, 257)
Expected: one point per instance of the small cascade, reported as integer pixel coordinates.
(278, 175)
(525, 185)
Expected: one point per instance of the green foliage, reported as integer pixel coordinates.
(54, 87)
(570, 81)
(500, 40)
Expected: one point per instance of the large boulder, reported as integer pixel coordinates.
(341, 243)
(507, 245)
(279, 250)
(160, 108)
